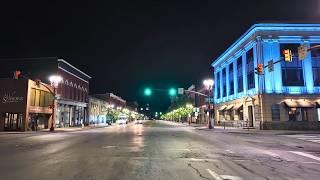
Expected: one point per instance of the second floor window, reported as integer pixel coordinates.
(224, 88)
(315, 55)
(231, 85)
(250, 69)
(292, 73)
(218, 86)
(239, 74)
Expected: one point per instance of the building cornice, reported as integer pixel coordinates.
(263, 27)
(62, 60)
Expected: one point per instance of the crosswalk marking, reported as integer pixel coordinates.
(315, 138)
(306, 155)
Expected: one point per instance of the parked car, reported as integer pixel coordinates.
(138, 121)
(122, 120)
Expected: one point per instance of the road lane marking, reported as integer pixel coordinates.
(231, 177)
(215, 175)
(271, 154)
(108, 147)
(311, 163)
(306, 155)
(229, 151)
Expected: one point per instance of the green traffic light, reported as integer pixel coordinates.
(172, 92)
(147, 92)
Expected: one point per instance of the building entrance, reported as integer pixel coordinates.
(13, 121)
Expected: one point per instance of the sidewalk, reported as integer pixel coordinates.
(56, 130)
(72, 129)
(241, 130)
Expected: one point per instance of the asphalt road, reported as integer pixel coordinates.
(156, 150)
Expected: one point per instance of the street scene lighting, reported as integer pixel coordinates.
(147, 92)
(143, 90)
(208, 83)
(55, 80)
(172, 92)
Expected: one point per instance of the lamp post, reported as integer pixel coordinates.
(208, 83)
(54, 80)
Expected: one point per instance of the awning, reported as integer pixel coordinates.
(237, 107)
(229, 107)
(298, 104)
(222, 108)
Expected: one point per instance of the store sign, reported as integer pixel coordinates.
(35, 109)
(8, 98)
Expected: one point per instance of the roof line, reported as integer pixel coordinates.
(256, 27)
(64, 61)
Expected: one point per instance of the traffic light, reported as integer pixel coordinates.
(16, 74)
(260, 68)
(287, 55)
(147, 92)
(172, 92)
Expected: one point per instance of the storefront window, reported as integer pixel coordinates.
(13, 121)
(298, 114)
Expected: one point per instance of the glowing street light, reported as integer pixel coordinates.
(147, 92)
(208, 83)
(172, 92)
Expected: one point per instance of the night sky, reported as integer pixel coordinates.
(128, 45)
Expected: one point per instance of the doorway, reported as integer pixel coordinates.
(250, 115)
(13, 121)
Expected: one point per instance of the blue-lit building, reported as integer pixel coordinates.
(288, 97)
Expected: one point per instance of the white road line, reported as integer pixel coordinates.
(271, 154)
(215, 175)
(231, 177)
(311, 163)
(316, 141)
(306, 155)
(229, 151)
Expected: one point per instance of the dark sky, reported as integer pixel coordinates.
(127, 45)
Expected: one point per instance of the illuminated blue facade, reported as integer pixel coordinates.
(265, 41)
(287, 97)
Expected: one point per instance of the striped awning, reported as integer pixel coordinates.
(237, 107)
(229, 107)
(222, 108)
(298, 104)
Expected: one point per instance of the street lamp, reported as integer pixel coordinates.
(208, 83)
(54, 80)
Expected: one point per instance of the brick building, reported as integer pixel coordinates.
(72, 92)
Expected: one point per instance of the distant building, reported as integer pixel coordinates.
(200, 103)
(285, 98)
(25, 105)
(113, 99)
(72, 92)
(98, 111)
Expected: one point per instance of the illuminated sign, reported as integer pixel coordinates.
(11, 98)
